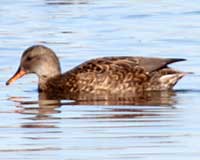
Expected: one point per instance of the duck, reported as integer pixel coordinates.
(117, 75)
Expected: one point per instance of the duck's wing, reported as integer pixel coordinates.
(125, 63)
(110, 73)
(117, 73)
(108, 64)
(155, 64)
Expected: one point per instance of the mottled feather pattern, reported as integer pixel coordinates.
(111, 75)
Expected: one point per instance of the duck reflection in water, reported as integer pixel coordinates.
(156, 98)
(46, 109)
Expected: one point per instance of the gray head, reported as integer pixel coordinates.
(40, 60)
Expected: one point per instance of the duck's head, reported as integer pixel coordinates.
(40, 60)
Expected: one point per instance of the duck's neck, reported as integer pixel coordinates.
(47, 72)
(42, 86)
(43, 81)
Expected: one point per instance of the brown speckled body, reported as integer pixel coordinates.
(112, 75)
(102, 76)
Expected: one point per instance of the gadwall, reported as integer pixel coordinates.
(107, 75)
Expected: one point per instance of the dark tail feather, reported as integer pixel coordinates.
(169, 61)
(154, 64)
(173, 60)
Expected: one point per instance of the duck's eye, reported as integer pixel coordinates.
(29, 58)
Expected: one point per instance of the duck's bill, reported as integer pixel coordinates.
(16, 76)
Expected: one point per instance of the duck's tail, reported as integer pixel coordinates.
(168, 81)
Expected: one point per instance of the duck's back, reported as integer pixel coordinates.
(117, 75)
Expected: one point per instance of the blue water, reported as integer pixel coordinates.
(78, 30)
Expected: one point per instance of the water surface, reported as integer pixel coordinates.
(163, 127)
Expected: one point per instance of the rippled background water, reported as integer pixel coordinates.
(82, 29)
